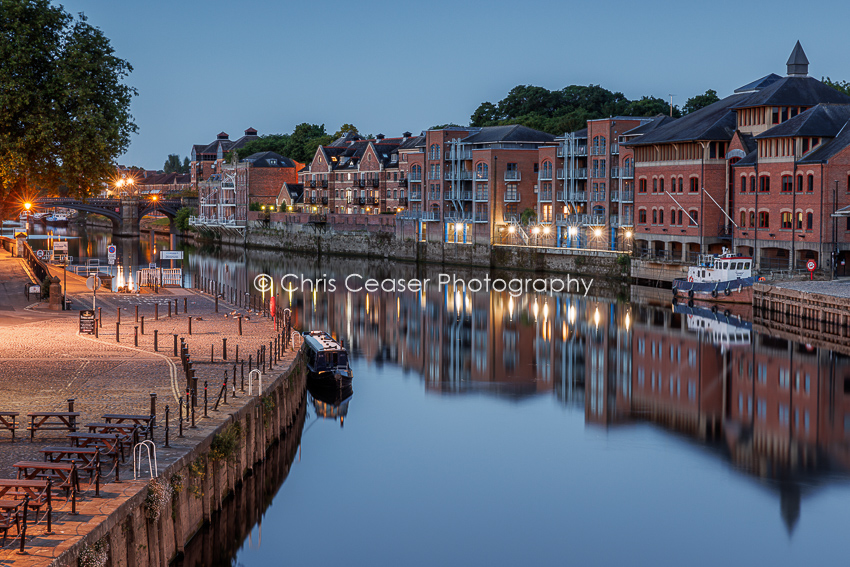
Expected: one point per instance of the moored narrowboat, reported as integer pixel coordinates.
(325, 356)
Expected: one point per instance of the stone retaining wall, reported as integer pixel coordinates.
(201, 484)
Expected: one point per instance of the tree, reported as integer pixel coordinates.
(840, 86)
(485, 114)
(345, 129)
(700, 101)
(181, 219)
(185, 167)
(172, 164)
(652, 106)
(444, 126)
(64, 110)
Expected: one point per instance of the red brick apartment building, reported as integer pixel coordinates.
(226, 190)
(761, 172)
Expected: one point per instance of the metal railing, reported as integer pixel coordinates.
(513, 175)
(564, 151)
(481, 217)
(466, 195)
(597, 172)
(615, 171)
(416, 195)
(482, 196)
(577, 195)
(420, 215)
(482, 176)
(511, 196)
(598, 150)
(415, 177)
(615, 148)
(464, 154)
(597, 195)
(510, 217)
(578, 173)
(544, 175)
(627, 172)
(545, 196)
(456, 216)
(627, 196)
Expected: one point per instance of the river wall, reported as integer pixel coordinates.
(386, 244)
(203, 479)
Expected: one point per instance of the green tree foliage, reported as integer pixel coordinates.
(300, 145)
(444, 126)
(64, 110)
(700, 101)
(186, 163)
(563, 110)
(841, 86)
(181, 219)
(172, 164)
(345, 129)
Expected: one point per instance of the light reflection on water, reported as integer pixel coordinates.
(485, 429)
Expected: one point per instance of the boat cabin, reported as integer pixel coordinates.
(723, 268)
(324, 354)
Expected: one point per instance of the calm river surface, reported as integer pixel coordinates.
(544, 429)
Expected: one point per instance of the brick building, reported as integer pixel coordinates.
(761, 171)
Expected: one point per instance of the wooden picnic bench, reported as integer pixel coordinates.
(38, 492)
(111, 443)
(63, 474)
(146, 423)
(52, 420)
(86, 458)
(10, 515)
(9, 421)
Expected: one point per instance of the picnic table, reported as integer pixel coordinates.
(146, 423)
(9, 421)
(52, 420)
(86, 458)
(112, 443)
(10, 515)
(64, 473)
(38, 492)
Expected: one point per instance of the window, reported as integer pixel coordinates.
(799, 184)
(787, 184)
(743, 184)
(786, 220)
(655, 185)
(753, 184)
(694, 185)
(642, 216)
(681, 185)
(694, 220)
(764, 219)
(654, 216)
(784, 378)
(743, 222)
(661, 185)
(680, 217)
(764, 184)
(762, 409)
(642, 186)
(752, 219)
(811, 186)
(660, 216)
(799, 220)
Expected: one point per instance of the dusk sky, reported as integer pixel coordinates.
(204, 67)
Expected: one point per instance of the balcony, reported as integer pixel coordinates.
(627, 220)
(544, 175)
(360, 182)
(324, 183)
(598, 172)
(481, 217)
(415, 177)
(578, 173)
(581, 219)
(461, 175)
(577, 195)
(598, 150)
(510, 217)
(597, 196)
(615, 196)
(615, 171)
(482, 196)
(402, 182)
(375, 182)
(614, 221)
(466, 195)
(457, 216)
(360, 200)
(627, 172)
(416, 195)
(310, 200)
(402, 201)
(511, 196)
(567, 151)
(512, 176)
(481, 176)
(313, 183)
(448, 195)
(615, 149)
(595, 220)
(461, 155)
(560, 174)
(628, 196)
(373, 200)
(324, 200)
(545, 196)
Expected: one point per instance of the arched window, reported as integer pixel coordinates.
(547, 170)
(434, 151)
(642, 216)
(654, 216)
(599, 145)
(481, 171)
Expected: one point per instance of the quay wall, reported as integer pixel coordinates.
(386, 242)
(202, 479)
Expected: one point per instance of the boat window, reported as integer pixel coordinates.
(343, 359)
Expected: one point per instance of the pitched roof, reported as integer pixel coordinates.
(656, 122)
(759, 84)
(511, 133)
(823, 120)
(261, 159)
(794, 91)
(714, 122)
(825, 151)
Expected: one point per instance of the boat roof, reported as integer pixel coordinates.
(320, 340)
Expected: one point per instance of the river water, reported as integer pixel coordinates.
(547, 428)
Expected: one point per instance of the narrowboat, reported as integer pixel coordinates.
(326, 358)
(57, 220)
(723, 278)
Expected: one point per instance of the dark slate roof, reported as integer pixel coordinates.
(759, 84)
(748, 141)
(261, 159)
(798, 63)
(511, 133)
(345, 140)
(823, 120)
(714, 122)
(748, 160)
(794, 91)
(657, 121)
(296, 192)
(412, 142)
(825, 151)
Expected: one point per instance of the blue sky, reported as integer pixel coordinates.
(386, 67)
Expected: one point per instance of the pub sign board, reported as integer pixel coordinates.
(87, 322)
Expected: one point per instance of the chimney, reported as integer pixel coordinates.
(406, 135)
(798, 63)
(222, 136)
(250, 132)
(379, 137)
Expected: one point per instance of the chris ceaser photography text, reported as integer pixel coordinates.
(356, 283)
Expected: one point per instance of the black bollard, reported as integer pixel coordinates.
(156, 311)
(236, 357)
(205, 397)
(119, 315)
(137, 314)
(155, 345)
(216, 303)
(175, 345)
(212, 353)
(188, 402)
(243, 375)
(240, 324)
(143, 324)
(224, 387)
(224, 348)
(169, 308)
(193, 426)
(136, 335)
(180, 434)
(185, 304)
(153, 412)
(167, 412)
(250, 365)
(190, 325)
(100, 317)
(117, 332)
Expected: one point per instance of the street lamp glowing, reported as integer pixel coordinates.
(511, 229)
(572, 230)
(535, 230)
(27, 206)
(459, 226)
(628, 234)
(546, 230)
(597, 233)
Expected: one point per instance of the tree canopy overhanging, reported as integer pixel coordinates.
(64, 109)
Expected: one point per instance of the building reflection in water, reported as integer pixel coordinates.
(330, 397)
(777, 410)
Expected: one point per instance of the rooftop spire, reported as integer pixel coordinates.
(798, 63)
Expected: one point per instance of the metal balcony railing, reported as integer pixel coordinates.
(416, 195)
(544, 175)
(419, 215)
(615, 196)
(627, 196)
(482, 195)
(415, 177)
(481, 217)
(615, 171)
(512, 176)
(466, 195)
(577, 196)
(597, 195)
(627, 172)
(545, 196)
(512, 196)
(615, 148)
(456, 216)
(461, 175)
(481, 176)
(461, 155)
(597, 172)
(510, 217)
(598, 150)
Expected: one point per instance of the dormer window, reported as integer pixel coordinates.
(272, 162)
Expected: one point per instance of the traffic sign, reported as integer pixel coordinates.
(111, 250)
(60, 246)
(40, 253)
(171, 255)
(93, 283)
(811, 265)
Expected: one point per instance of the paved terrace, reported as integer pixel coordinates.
(44, 362)
(835, 288)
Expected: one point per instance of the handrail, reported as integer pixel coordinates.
(137, 465)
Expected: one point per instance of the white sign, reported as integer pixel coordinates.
(60, 246)
(93, 282)
(111, 260)
(40, 253)
(152, 266)
(171, 255)
(811, 265)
